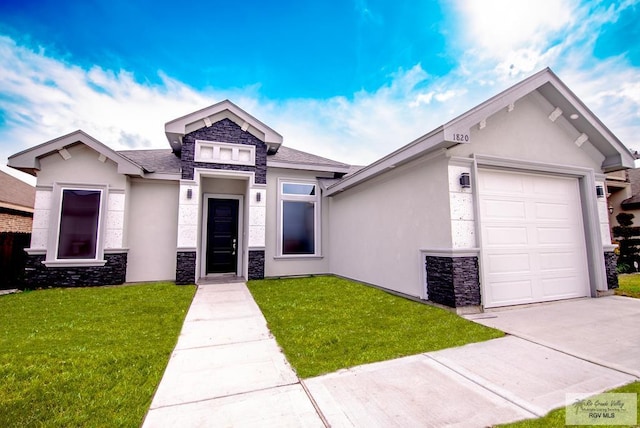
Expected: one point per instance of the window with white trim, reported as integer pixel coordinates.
(79, 224)
(299, 218)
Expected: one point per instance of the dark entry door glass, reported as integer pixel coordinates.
(222, 236)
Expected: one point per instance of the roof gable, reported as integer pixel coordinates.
(569, 110)
(29, 160)
(176, 129)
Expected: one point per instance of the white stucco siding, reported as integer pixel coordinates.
(83, 167)
(276, 265)
(188, 215)
(152, 230)
(527, 133)
(603, 215)
(41, 219)
(257, 217)
(114, 225)
(378, 228)
(463, 225)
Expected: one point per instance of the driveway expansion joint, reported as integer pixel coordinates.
(535, 411)
(314, 404)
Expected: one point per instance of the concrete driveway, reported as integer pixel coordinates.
(227, 370)
(578, 346)
(605, 331)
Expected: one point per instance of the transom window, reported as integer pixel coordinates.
(299, 214)
(79, 224)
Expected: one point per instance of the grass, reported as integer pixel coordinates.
(86, 356)
(326, 323)
(556, 418)
(629, 285)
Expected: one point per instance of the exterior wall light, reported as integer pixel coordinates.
(600, 192)
(465, 180)
(610, 209)
(189, 193)
(258, 196)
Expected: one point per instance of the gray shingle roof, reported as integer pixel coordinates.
(293, 156)
(162, 161)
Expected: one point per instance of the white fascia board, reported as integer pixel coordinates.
(429, 143)
(30, 159)
(163, 176)
(307, 167)
(16, 207)
(177, 127)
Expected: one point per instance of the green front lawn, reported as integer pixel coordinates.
(86, 356)
(629, 285)
(326, 323)
(556, 418)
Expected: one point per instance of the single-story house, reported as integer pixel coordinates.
(502, 205)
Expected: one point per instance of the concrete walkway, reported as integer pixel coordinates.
(227, 370)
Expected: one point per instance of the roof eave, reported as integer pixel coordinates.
(433, 142)
(308, 167)
(29, 160)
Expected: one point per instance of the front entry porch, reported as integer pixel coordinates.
(221, 228)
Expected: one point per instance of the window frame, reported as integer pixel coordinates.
(55, 223)
(315, 199)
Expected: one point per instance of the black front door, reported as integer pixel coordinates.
(222, 236)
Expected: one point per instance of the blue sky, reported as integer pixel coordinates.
(351, 80)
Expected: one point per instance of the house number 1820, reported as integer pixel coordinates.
(461, 138)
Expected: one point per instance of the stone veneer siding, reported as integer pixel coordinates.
(256, 264)
(186, 268)
(113, 272)
(610, 264)
(225, 131)
(453, 281)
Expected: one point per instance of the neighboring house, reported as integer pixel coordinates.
(16, 204)
(503, 205)
(16, 217)
(623, 189)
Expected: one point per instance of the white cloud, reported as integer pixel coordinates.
(499, 27)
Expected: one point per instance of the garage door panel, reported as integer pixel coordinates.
(510, 263)
(496, 184)
(554, 212)
(501, 209)
(559, 287)
(512, 292)
(533, 245)
(550, 187)
(508, 236)
(556, 235)
(558, 260)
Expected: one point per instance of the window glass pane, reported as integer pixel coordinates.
(298, 227)
(298, 189)
(79, 224)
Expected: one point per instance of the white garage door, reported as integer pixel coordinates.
(533, 246)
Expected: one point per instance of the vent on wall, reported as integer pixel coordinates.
(225, 153)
